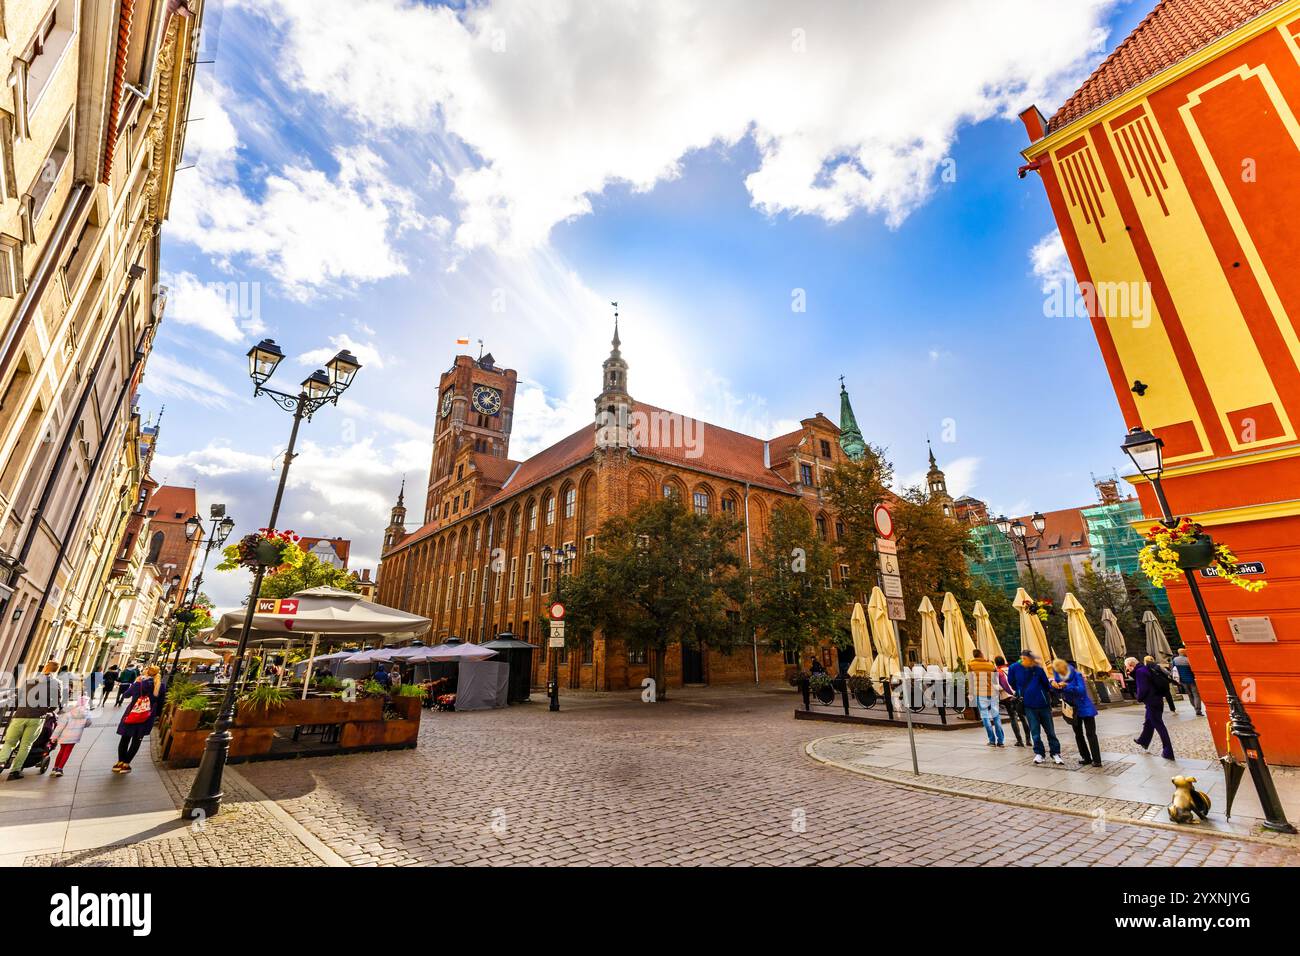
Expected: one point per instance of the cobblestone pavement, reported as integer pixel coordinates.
(1191, 738)
(243, 834)
(715, 777)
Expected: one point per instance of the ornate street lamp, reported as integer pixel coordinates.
(192, 527)
(1017, 531)
(1147, 452)
(221, 528)
(317, 390)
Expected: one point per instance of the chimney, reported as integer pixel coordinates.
(1035, 123)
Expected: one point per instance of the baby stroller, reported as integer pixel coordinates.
(39, 755)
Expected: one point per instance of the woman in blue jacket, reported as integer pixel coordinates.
(1074, 689)
(144, 699)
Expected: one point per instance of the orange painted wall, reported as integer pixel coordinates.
(1192, 192)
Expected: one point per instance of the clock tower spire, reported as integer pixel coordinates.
(614, 404)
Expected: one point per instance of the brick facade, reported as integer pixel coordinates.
(474, 566)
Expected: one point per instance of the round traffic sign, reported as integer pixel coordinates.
(884, 520)
(557, 611)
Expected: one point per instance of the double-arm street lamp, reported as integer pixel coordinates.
(559, 559)
(1016, 531)
(221, 528)
(318, 389)
(1146, 450)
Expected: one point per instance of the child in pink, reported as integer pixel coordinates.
(68, 732)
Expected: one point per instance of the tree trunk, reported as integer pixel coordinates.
(661, 683)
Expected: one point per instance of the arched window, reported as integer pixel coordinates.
(701, 502)
(550, 510)
(155, 546)
(821, 526)
(570, 502)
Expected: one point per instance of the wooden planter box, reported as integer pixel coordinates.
(187, 745)
(313, 710)
(408, 707)
(383, 733)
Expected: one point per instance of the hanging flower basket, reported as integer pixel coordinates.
(1040, 608)
(267, 548)
(1186, 547)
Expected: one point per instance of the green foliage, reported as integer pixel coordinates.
(300, 571)
(789, 602)
(409, 690)
(372, 688)
(328, 682)
(264, 697)
(662, 575)
(196, 702)
(1002, 613)
(182, 690)
(853, 490)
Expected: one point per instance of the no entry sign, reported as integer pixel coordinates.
(884, 520)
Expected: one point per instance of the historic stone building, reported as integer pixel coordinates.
(91, 128)
(474, 565)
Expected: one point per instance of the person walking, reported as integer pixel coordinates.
(1013, 704)
(67, 734)
(144, 700)
(1151, 696)
(982, 679)
(1029, 681)
(96, 679)
(37, 697)
(124, 681)
(1187, 680)
(1074, 689)
(110, 679)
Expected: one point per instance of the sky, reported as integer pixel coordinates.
(777, 194)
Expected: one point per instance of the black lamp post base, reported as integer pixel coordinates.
(205, 795)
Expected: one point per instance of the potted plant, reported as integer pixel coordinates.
(1170, 551)
(1042, 608)
(406, 700)
(863, 690)
(264, 698)
(823, 687)
(266, 548)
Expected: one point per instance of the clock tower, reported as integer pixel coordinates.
(475, 410)
(613, 404)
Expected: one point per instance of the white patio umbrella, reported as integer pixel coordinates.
(886, 664)
(956, 636)
(1086, 650)
(862, 660)
(456, 652)
(1032, 635)
(1113, 638)
(1157, 643)
(373, 656)
(986, 639)
(323, 611)
(933, 650)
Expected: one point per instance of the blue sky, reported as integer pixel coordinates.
(387, 176)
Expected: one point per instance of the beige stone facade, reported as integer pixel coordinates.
(91, 130)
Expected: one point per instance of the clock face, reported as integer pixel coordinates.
(446, 401)
(486, 400)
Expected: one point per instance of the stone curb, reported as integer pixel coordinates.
(1279, 839)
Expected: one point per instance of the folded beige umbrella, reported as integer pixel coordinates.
(861, 666)
(956, 636)
(1089, 656)
(932, 646)
(886, 664)
(1157, 643)
(1113, 639)
(986, 639)
(1032, 636)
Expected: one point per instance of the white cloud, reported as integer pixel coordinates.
(1051, 264)
(313, 231)
(166, 377)
(217, 307)
(850, 106)
(367, 353)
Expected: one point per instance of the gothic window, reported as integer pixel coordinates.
(821, 527)
(670, 490)
(839, 529)
(532, 516)
(570, 502)
(514, 574)
(728, 505)
(701, 502)
(528, 575)
(550, 511)
(155, 547)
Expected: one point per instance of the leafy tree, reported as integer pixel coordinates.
(1139, 590)
(661, 575)
(1002, 613)
(789, 601)
(853, 490)
(1098, 590)
(301, 570)
(1039, 586)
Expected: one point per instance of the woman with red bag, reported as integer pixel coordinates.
(144, 699)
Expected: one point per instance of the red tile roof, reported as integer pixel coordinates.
(721, 451)
(1063, 529)
(1171, 32)
(169, 501)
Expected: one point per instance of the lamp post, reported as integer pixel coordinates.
(1016, 531)
(558, 559)
(316, 391)
(1146, 451)
(221, 528)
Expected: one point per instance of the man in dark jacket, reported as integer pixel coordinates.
(110, 680)
(37, 697)
(1151, 695)
(125, 680)
(1029, 681)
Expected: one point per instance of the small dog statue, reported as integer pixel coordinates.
(1189, 803)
